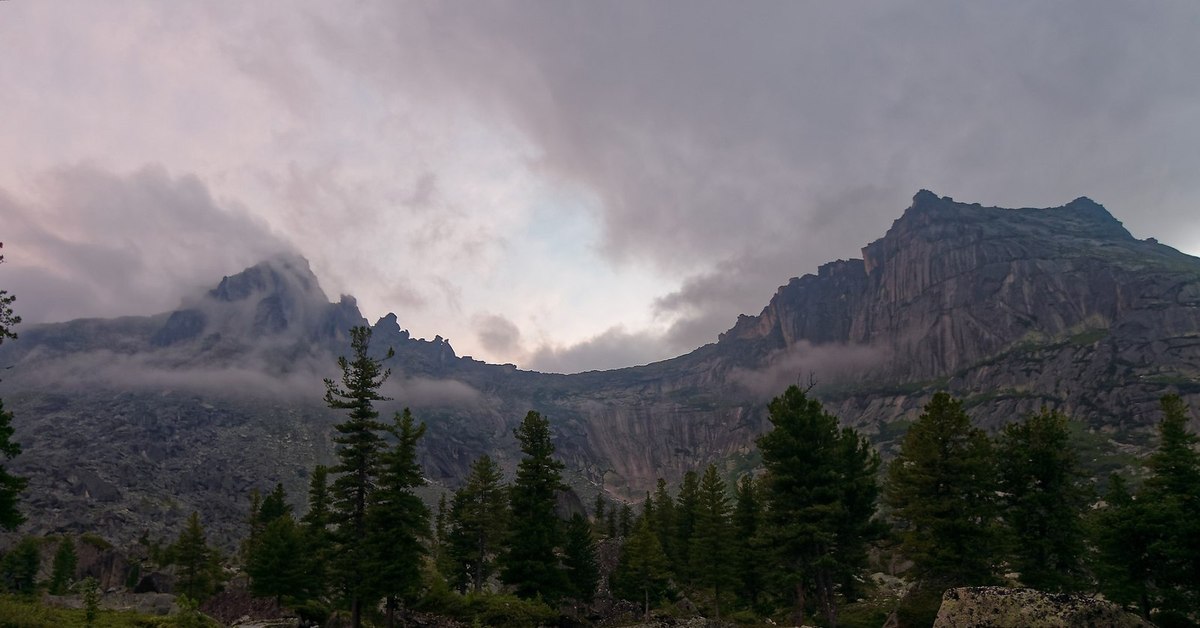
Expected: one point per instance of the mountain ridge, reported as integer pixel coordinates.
(1009, 309)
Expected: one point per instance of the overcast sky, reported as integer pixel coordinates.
(562, 185)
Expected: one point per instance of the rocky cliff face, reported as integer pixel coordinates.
(130, 424)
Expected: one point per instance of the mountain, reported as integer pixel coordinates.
(129, 424)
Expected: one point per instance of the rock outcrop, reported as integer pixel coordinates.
(130, 424)
(998, 607)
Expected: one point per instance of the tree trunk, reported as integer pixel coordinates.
(355, 612)
(798, 612)
(647, 592)
(391, 611)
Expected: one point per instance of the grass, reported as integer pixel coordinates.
(25, 612)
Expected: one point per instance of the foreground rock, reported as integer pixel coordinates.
(1000, 607)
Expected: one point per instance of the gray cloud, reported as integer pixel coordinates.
(805, 363)
(614, 348)
(743, 145)
(89, 242)
(498, 334)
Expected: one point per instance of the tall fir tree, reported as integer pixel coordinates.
(358, 447)
(1044, 499)
(748, 554)
(10, 485)
(579, 560)
(399, 520)
(642, 572)
(318, 540)
(941, 488)
(63, 569)
(598, 514)
(712, 558)
(819, 491)
(279, 565)
(1149, 544)
(198, 573)
(685, 524)
(665, 523)
(19, 567)
(625, 520)
(530, 563)
(479, 521)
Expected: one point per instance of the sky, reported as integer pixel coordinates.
(562, 185)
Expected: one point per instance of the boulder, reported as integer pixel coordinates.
(1000, 607)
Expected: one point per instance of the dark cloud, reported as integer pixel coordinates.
(88, 242)
(748, 144)
(614, 348)
(497, 334)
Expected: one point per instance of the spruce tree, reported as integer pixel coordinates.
(819, 491)
(318, 540)
(358, 447)
(611, 527)
(598, 514)
(478, 523)
(398, 519)
(941, 488)
(711, 552)
(642, 570)
(685, 523)
(1044, 500)
(1124, 564)
(10, 485)
(19, 567)
(278, 564)
(665, 522)
(625, 520)
(748, 555)
(530, 563)
(579, 560)
(63, 569)
(198, 566)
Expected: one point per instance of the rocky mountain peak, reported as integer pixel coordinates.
(287, 273)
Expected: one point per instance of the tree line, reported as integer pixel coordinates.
(794, 539)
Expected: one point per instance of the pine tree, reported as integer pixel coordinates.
(278, 564)
(63, 569)
(530, 563)
(358, 448)
(712, 539)
(611, 526)
(197, 562)
(942, 491)
(820, 491)
(665, 522)
(685, 524)
(598, 514)
(399, 520)
(1044, 500)
(579, 560)
(747, 553)
(1124, 565)
(19, 567)
(479, 521)
(10, 485)
(625, 521)
(318, 541)
(641, 574)
(274, 506)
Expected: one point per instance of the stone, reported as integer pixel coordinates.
(999, 607)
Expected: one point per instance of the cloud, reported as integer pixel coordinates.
(498, 334)
(88, 242)
(825, 364)
(613, 348)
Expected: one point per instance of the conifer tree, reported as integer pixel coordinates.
(63, 569)
(1044, 500)
(611, 526)
(530, 563)
(625, 521)
(820, 491)
(479, 521)
(399, 520)
(598, 514)
(198, 573)
(10, 485)
(579, 560)
(641, 574)
(747, 553)
(712, 539)
(19, 567)
(358, 447)
(274, 506)
(318, 541)
(685, 523)
(941, 488)
(278, 564)
(1150, 544)
(665, 522)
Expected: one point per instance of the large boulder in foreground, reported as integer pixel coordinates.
(1000, 607)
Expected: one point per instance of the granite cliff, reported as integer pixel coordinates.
(129, 424)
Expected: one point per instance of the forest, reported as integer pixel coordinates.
(823, 533)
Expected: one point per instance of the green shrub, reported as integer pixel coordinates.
(509, 611)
